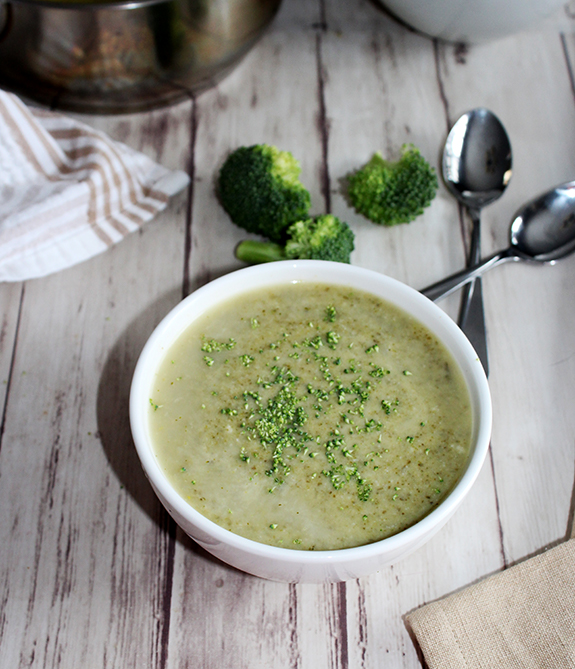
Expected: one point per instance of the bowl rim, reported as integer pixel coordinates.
(248, 278)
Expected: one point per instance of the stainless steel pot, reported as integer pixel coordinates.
(113, 57)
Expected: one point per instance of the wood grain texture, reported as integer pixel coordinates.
(11, 297)
(86, 546)
(92, 570)
(528, 328)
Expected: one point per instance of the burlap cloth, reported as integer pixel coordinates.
(523, 617)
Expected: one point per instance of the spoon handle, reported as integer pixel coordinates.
(472, 314)
(455, 281)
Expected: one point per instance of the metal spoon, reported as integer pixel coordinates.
(543, 231)
(476, 169)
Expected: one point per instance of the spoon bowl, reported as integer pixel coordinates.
(542, 231)
(477, 159)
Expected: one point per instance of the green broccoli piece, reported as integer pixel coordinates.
(321, 238)
(259, 187)
(390, 193)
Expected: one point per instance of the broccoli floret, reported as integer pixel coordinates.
(321, 238)
(389, 192)
(259, 187)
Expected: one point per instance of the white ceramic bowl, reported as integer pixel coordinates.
(284, 564)
(471, 21)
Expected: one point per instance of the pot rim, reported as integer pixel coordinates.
(87, 4)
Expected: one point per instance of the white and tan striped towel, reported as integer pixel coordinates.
(67, 191)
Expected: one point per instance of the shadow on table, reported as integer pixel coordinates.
(113, 404)
(114, 420)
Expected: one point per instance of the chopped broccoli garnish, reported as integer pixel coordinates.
(389, 192)
(259, 187)
(324, 237)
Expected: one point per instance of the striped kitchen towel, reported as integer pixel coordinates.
(67, 191)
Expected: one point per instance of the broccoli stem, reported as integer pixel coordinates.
(254, 252)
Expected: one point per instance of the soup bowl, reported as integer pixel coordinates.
(286, 564)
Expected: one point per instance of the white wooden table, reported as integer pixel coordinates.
(93, 573)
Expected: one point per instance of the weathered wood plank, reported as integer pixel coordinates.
(399, 100)
(274, 97)
(222, 616)
(396, 100)
(271, 98)
(85, 551)
(11, 296)
(525, 81)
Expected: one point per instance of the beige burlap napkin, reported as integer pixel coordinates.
(67, 191)
(521, 618)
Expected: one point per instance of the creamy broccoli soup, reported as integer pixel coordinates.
(310, 417)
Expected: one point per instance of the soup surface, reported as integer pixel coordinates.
(310, 416)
